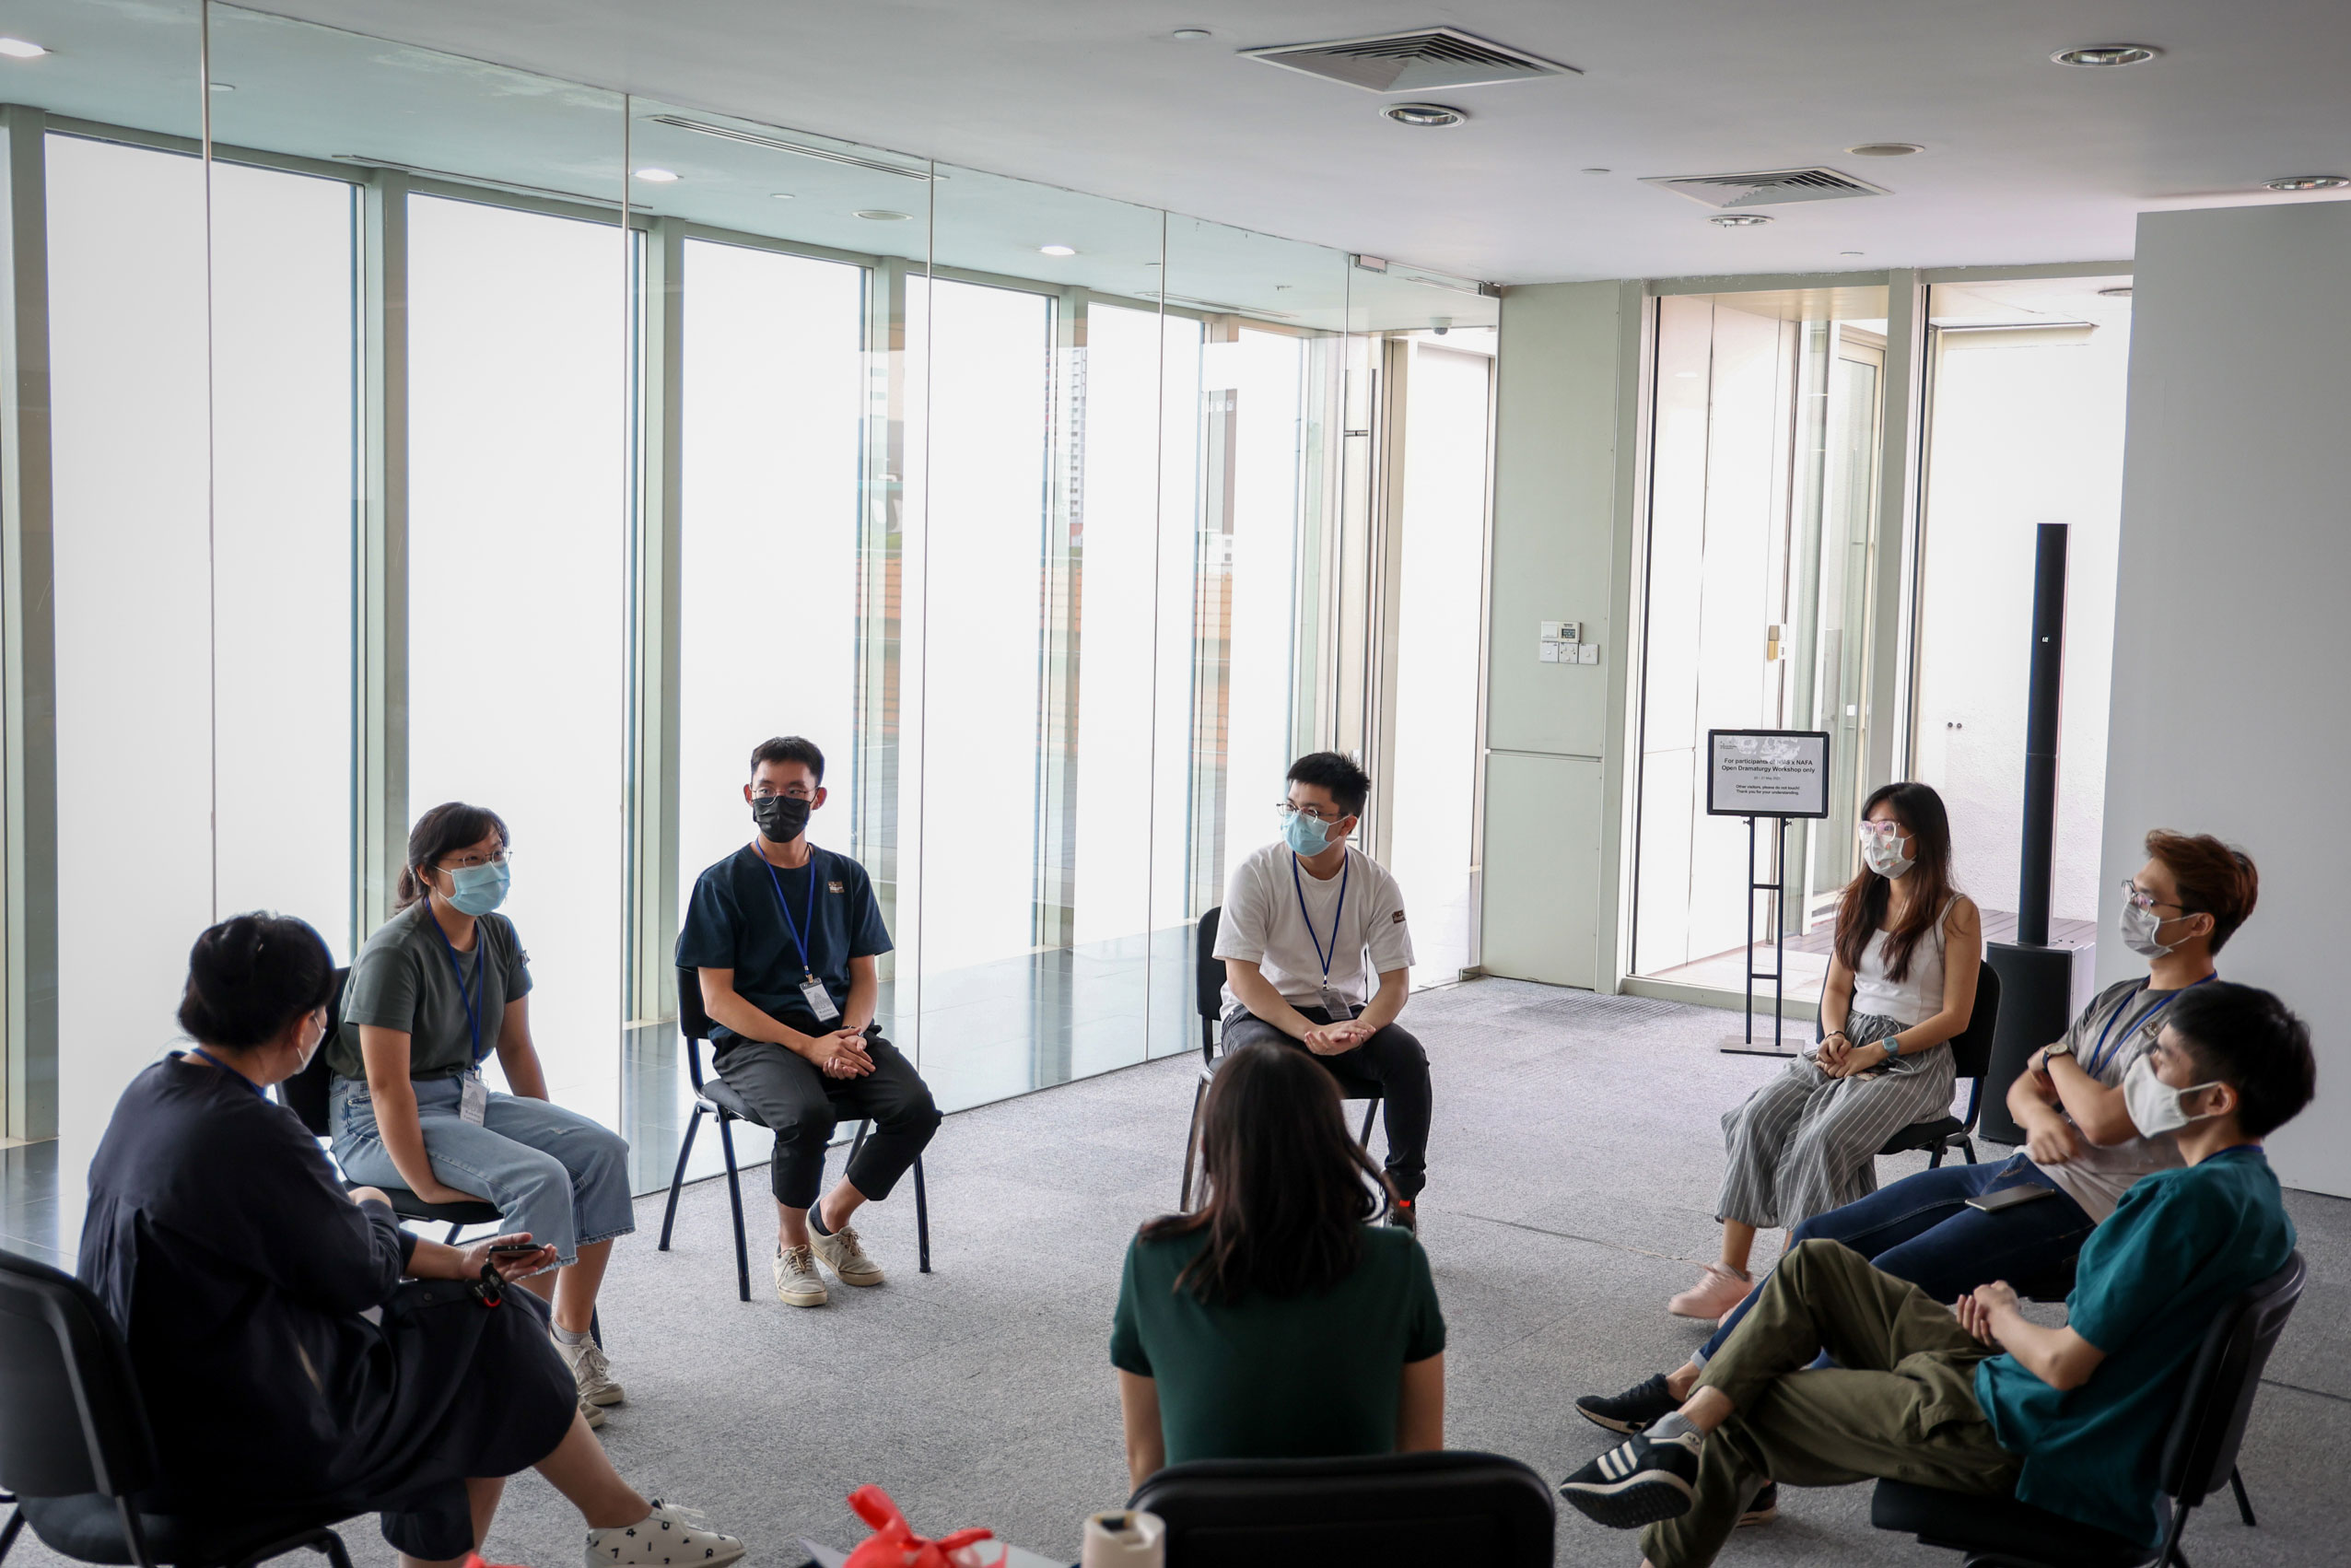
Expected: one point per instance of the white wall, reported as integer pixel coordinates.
(2229, 714)
(1556, 556)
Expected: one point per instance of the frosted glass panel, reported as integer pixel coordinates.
(1433, 806)
(517, 543)
(775, 384)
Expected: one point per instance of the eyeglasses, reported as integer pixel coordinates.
(794, 792)
(1881, 830)
(1286, 810)
(471, 858)
(2138, 898)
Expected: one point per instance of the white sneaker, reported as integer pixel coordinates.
(590, 1371)
(593, 1414)
(667, 1535)
(797, 1282)
(844, 1257)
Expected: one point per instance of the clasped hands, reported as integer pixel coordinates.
(1977, 1308)
(841, 1054)
(1335, 1040)
(1840, 1057)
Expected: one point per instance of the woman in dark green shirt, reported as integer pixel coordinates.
(1277, 1322)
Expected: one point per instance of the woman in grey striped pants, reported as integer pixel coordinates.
(1901, 986)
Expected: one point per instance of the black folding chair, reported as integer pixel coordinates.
(2199, 1452)
(1971, 1050)
(1440, 1507)
(308, 1094)
(1208, 995)
(75, 1449)
(712, 1097)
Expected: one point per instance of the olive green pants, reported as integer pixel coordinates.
(1900, 1402)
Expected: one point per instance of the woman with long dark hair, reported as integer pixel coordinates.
(1278, 1320)
(439, 989)
(1901, 984)
(299, 1354)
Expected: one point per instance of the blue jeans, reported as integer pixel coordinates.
(550, 1171)
(1921, 1230)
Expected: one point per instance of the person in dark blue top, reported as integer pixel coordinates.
(1974, 1397)
(784, 937)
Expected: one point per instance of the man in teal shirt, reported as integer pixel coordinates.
(1975, 1398)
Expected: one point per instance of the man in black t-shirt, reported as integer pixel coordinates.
(785, 936)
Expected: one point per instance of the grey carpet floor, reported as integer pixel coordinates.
(1573, 1165)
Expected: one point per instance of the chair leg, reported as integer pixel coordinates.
(450, 1239)
(859, 1142)
(677, 1178)
(921, 1217)
(9, 1531)
(1191, 1147)
(734, 1201)
(134, 1536)
(1968, 1145)
(1934, 1160)
(1370, 1110)
(2171, 1553)
(332, 1546)
(2244, 1504)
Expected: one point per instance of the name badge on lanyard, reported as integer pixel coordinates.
(1337, 1006)
(473, 1095)
(811, 990)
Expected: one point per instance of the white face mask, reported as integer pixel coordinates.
(2156, 1107)
(1882, 852)
(2139, 926)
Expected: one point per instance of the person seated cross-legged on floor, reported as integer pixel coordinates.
(1901, 986)
(785, 936)
(299, 1353)
(2082, 1147)
(1973, 1397)
(1298, 916)
(1276, 1321)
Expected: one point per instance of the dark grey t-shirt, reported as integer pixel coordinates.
(402, 979)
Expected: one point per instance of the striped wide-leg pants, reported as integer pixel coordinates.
(1805, 1142)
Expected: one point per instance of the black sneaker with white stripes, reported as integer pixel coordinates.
(1632, 1410)
(1639, 1481)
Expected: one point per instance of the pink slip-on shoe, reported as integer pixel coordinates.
(1717, 1291)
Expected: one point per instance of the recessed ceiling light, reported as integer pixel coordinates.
(1057, 249)
(21, 49)
(1885, 149)
(1431, 114)
(2107, 54)
(1595, 171)
(2120, 291)
(883, 214)
(652, 176)
(1849, 252)
(1191, 35)
(1738, 220)
(780, 196)
(2308, 182)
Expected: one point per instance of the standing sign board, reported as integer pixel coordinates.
(1777, 774)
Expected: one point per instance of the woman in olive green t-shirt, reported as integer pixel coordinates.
(1274, 1322)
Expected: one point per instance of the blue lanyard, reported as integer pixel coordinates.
(808, 914)
(481, 991)
(2102, 1057)
(259, 1092)
(1335, 913)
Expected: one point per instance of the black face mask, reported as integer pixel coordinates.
(781, 818)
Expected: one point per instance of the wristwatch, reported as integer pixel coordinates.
(2063, 1048)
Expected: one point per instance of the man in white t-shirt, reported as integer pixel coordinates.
(1316, 951)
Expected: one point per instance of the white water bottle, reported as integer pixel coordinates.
(1124, 1539)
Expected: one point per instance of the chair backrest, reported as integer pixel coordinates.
(693, 1021)
(1442, 1507)
(1208, 969)
(306, 1094)
(1971, 1047)
(65, 1371)
(2200, 1448)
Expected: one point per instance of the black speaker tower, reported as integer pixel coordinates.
(2037, 981)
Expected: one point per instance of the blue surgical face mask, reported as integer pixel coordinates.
(477, 890)
(1306, 835)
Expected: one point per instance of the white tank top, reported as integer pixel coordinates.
(1919, 995)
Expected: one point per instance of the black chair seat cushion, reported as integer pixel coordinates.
(471, 1211)
(88, 1529)
(720, 1096)
(1961, 1521)
(1924, 1135)
(1451, 1507)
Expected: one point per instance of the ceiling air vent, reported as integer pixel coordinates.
(1412, 62)
(1769, 188)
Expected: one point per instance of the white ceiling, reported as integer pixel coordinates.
(2025, 160)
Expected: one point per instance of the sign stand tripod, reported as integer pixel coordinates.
(1745, 1045)
(1777, 774)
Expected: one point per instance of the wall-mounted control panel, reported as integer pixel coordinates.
(1562, 642)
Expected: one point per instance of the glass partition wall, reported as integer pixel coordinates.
(429, 430)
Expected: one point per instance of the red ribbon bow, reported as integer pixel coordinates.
(894, 1544)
